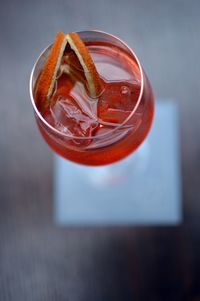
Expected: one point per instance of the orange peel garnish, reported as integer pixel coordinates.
(47, 78)
(93, 80)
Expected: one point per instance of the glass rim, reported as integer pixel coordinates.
(118, 126)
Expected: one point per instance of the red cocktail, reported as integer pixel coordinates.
(101, 130)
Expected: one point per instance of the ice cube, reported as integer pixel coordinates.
(118, 100)
(114, 115)
(69, 118)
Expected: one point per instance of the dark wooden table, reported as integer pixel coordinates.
(40, 261)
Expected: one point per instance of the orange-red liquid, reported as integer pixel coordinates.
(99, 131)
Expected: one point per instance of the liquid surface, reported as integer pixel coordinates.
(74, 113)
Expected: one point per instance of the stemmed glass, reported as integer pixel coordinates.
(109, 147)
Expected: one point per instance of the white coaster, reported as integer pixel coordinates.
(144, 188)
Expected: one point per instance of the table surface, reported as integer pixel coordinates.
(40, 261)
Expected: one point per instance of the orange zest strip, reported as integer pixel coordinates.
(46, 80)
(93, 80)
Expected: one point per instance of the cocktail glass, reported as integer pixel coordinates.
(111, 146)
